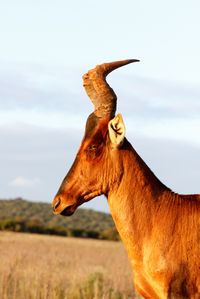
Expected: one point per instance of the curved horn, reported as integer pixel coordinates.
(98, 90)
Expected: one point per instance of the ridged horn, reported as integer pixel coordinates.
(98, 90)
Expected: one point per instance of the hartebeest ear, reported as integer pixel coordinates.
(116, 129)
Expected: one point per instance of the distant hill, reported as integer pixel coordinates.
(37, 217)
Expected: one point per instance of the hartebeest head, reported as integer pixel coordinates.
(97, 168)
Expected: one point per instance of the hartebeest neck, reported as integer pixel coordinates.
(133, 200)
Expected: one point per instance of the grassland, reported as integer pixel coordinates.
(51, 267)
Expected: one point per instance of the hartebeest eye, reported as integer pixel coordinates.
(93, 150)
(92, 147)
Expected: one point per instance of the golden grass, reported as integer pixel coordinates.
(50, 267)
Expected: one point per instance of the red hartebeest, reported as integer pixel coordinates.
(160, 229)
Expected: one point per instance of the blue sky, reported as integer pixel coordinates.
(46, 46)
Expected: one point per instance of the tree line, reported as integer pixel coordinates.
(20, 215)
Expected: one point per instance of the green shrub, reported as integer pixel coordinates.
(110, 234)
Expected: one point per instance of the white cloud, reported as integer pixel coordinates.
(22, 182)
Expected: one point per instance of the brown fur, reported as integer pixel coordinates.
(160, 229)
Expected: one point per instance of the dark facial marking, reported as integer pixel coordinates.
(91, 124)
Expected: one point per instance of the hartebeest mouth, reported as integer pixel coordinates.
(64, 210)
(59, 208)
(68, 211)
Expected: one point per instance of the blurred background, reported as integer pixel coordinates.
(46, 47)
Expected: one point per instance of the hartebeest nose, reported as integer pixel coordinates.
(56, 203)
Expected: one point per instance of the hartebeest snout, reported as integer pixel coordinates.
(160, 229)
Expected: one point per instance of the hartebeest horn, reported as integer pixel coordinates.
(98, 90)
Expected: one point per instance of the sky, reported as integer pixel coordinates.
(46, 47)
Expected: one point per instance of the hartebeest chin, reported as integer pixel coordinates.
(160, 229)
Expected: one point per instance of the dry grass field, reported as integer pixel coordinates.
(50, 267)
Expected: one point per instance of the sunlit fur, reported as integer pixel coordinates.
(160, 229)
